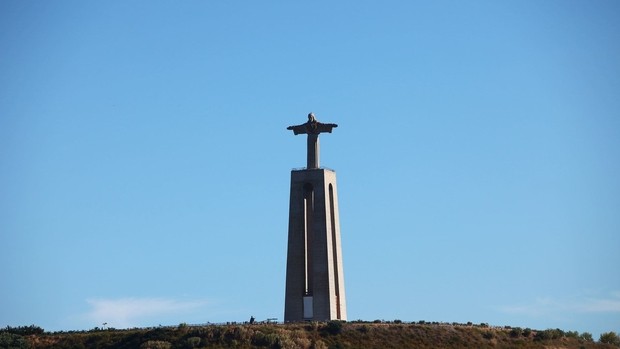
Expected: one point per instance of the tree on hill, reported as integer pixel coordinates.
(610, 338)
(586, 336)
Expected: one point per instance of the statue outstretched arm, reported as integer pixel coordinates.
(325, 127)
(312, 128)
(298, 129)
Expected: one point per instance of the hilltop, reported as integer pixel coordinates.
(332, 334)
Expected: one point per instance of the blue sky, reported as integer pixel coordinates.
(145, 161)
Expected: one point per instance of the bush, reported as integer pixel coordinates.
(272, 339)
(610, 338)
(557, 333)
(260, 339)
(24, 330)
(318, 344)
(586, 336)
(516, 332)
(542, 335)
(193, 342)
(572, 334)
(527, 332)
(488, 335)
(549, 334)
(156, 345)
(334, 327)
(13, 341)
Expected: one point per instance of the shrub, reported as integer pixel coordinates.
(542, 335)
(24, 330)
(334, 327)
(610, 338)
(260, 339)
(557, 333)
(318, 344)
(272, 339)
(516, 332)
(301, 342)
(527, 332)
(13, 341)
(156, 345)
(193, 342)
(572, 334)
(586, 336)
(488, 335)
(549, 334)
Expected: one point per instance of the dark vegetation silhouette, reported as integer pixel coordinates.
(311, 335)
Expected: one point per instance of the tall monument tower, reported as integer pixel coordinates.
(314, 278)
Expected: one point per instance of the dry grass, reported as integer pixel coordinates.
(309, 336)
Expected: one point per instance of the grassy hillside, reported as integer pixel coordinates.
(308, 335)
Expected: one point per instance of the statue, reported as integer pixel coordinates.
(312, 128)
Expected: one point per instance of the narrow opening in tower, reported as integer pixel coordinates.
(308, 237)
(336, 262)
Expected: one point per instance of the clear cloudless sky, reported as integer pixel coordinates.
(145, 162)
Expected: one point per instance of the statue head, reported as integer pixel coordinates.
(311, 117)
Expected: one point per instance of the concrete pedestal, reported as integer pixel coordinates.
(314, 276)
